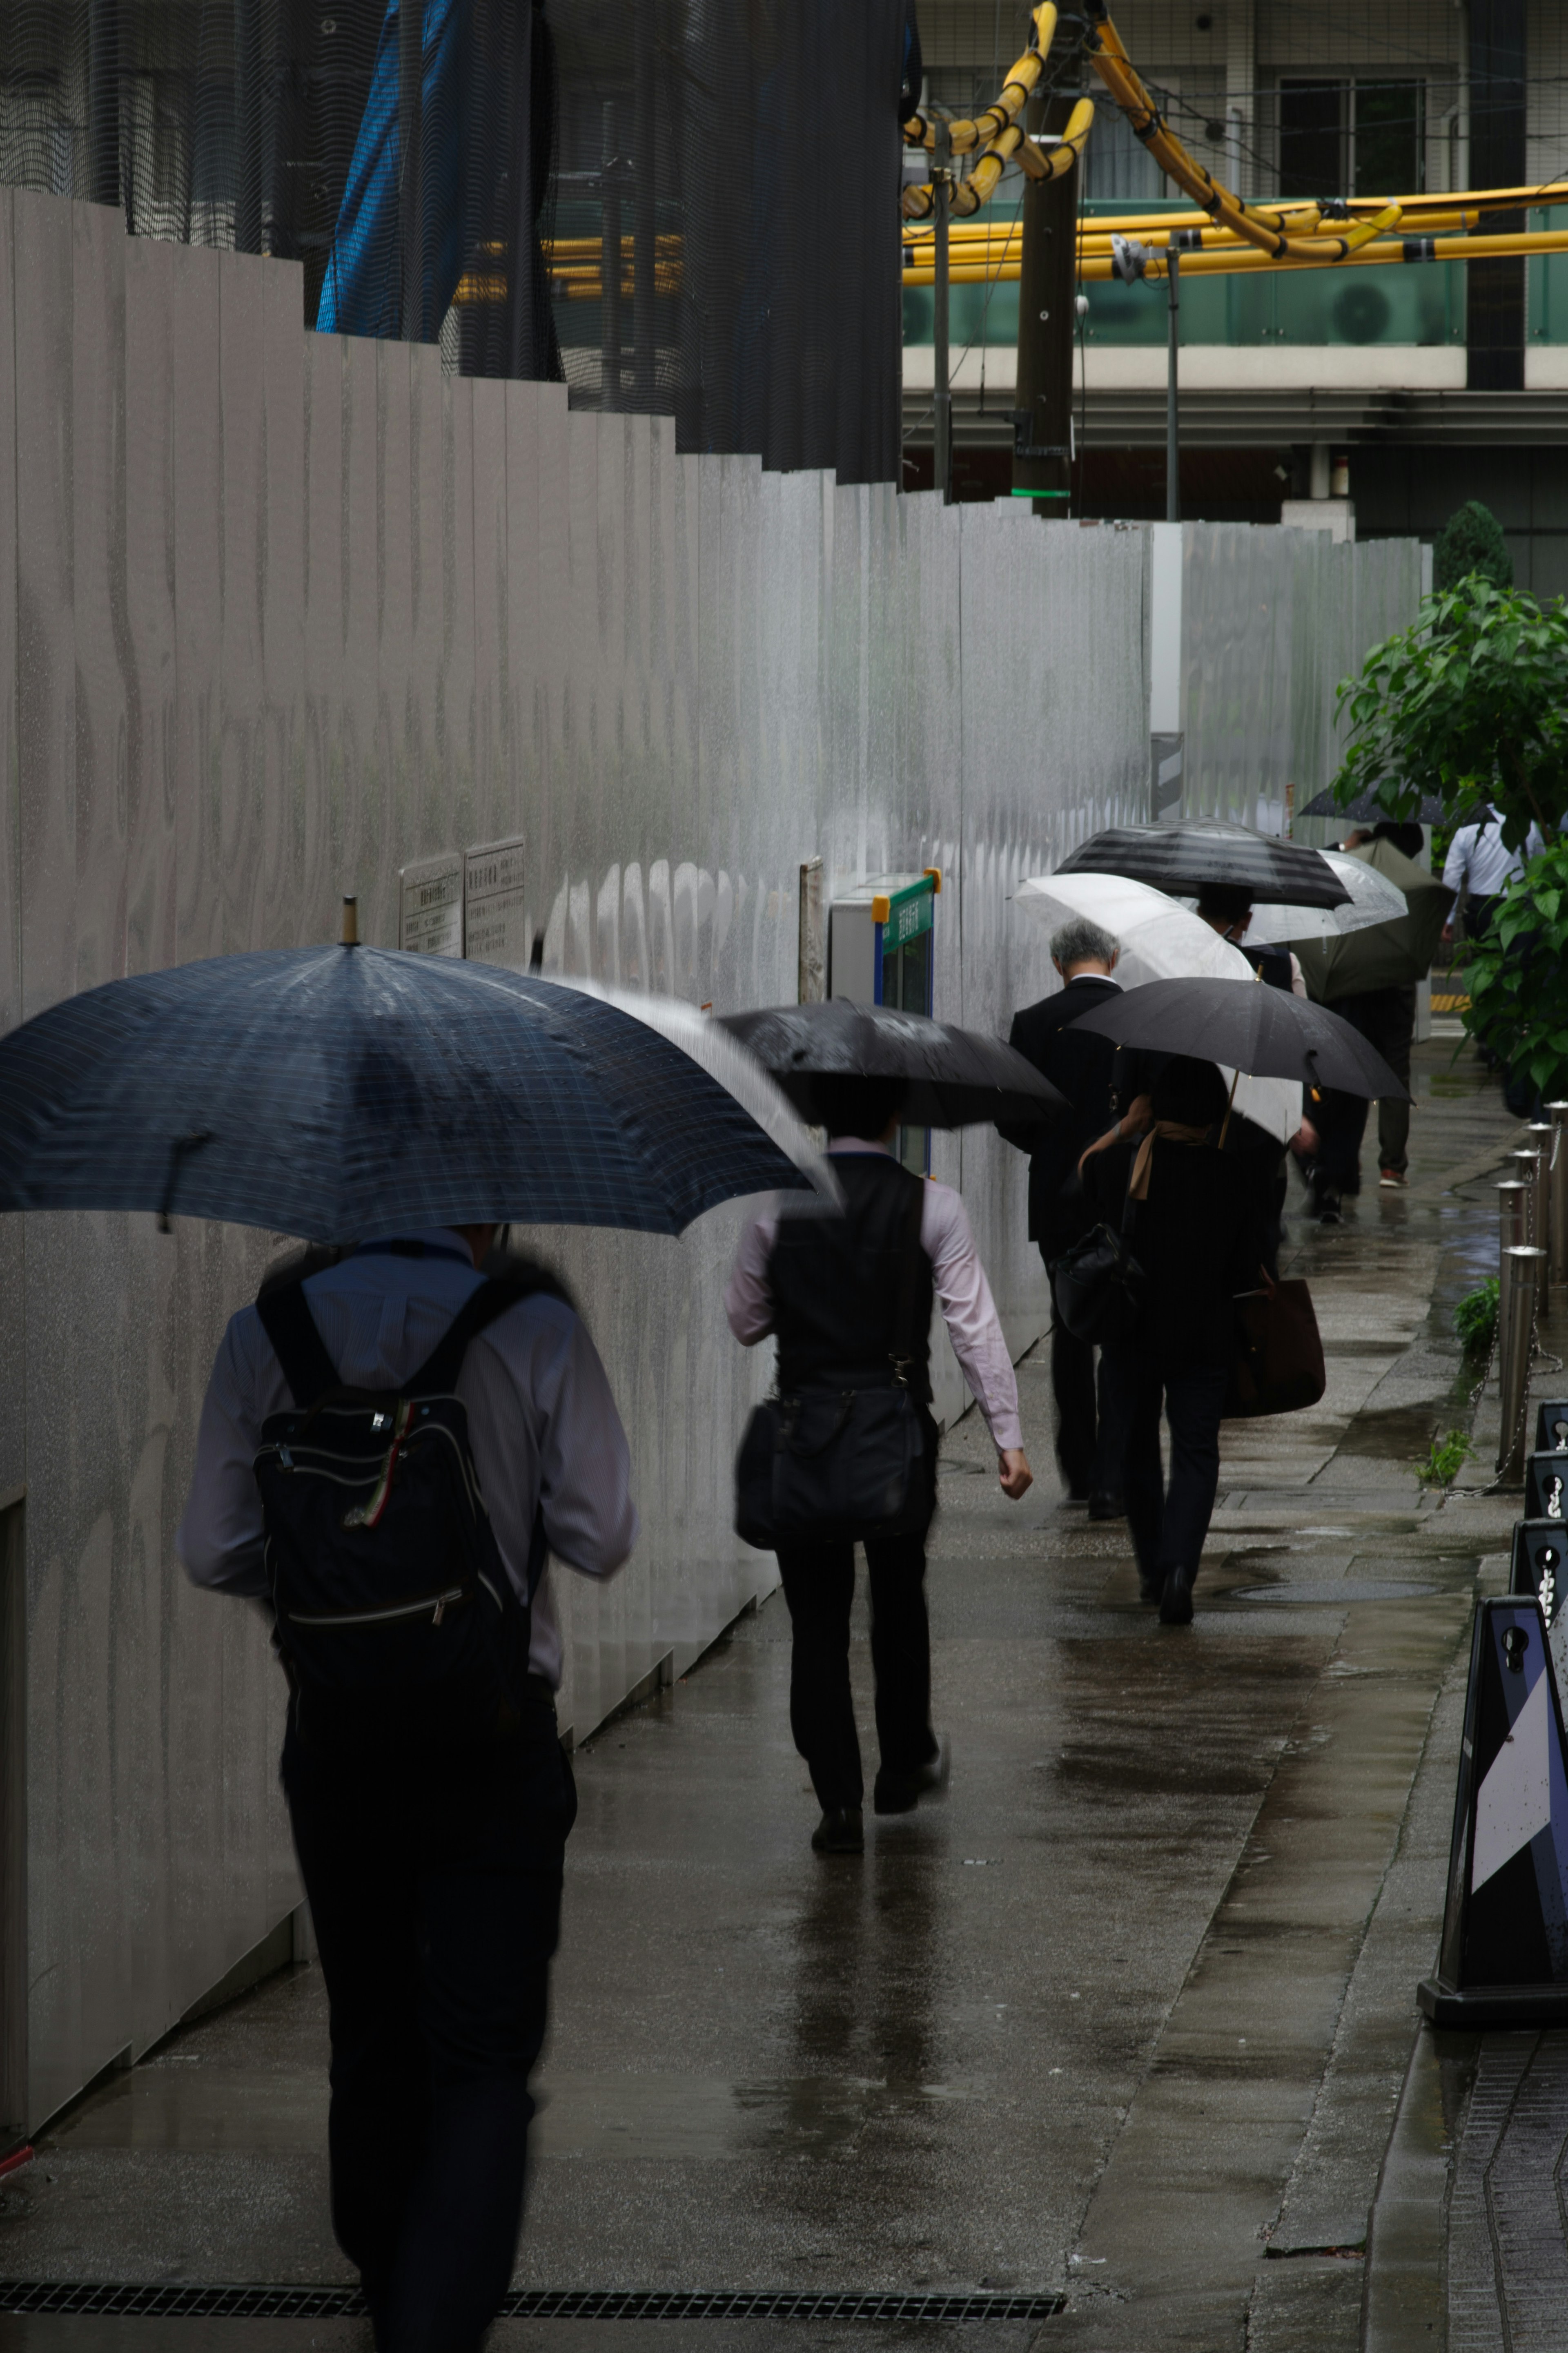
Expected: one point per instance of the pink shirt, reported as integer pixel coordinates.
(967, 1307)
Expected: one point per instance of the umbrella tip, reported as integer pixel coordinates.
(351, 921)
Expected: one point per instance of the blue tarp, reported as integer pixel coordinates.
(362, 293)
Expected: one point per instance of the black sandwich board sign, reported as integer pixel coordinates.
(1546, 1486)
(1539, 1565)
(1504, 1955)
(1552, 1427)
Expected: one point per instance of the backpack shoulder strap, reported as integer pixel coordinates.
(438, 1374)
(287, 1320)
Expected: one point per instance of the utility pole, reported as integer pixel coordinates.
(942, 395)
(1048, 317)
(1172, 415)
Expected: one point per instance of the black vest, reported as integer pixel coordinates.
(844, 1300)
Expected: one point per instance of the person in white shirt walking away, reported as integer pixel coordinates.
(834, 1292)
(388, 1449)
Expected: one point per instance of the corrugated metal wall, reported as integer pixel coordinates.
(280, 614)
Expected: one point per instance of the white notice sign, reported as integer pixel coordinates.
(495, 921)
(432, 922)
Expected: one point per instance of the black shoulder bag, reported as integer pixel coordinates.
(839, 1464)
(1098, 1285)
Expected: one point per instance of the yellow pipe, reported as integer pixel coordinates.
(1116, 70)
(1050, 163)
(1098, 269)
(1444, 249)
(965, 136)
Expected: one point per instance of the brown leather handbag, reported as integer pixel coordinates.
(1278, 1362)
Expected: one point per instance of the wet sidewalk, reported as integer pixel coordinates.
(1120, 2027)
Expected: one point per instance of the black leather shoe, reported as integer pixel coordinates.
(1103, 1505)
(1176, 1600)
(901, 1793)
(840, 1832)
(1150, 1588)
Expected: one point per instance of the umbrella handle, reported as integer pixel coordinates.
(179, 1153)
(1225, 1127)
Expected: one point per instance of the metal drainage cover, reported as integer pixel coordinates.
(1345, 1588)
(183, 2300)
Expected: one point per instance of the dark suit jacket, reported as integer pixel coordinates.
(1088, 1070)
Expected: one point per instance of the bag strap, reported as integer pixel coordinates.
(287, 1320)
(905, 1330)
(438, 1373)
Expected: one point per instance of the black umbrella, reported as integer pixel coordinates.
(1367, 809)
(956, 1078)
(1182, 858)
(342, 1091)
(1267, 1032)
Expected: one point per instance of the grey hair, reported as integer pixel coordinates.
(1082, 939)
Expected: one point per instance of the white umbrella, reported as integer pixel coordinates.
(1161, 940)
(1373, 899)
(739, 1072)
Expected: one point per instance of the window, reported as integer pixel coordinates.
(1356, 138)
(1390, 138)
(1311, 139)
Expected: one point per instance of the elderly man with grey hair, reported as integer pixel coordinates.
(1099, 1081)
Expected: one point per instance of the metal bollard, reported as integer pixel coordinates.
(1557, 1185)
(1526, 1165)
(1513, 1200)
(1539, 1131)
(1523, 1271)
(1513, 1214)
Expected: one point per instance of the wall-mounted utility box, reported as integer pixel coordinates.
(880, 941)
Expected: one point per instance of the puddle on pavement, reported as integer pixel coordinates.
(1400, 1433)
(645, 2117)
(1343, 1588)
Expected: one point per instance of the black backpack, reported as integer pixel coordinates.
(391, 1598)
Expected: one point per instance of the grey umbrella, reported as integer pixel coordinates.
(1182, 858)
(1367, 809)
(1266, 1031)
(956, 1078)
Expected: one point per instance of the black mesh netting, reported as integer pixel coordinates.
(682, 206)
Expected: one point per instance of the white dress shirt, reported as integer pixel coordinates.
(968, 1309)
(542, 1424)
(1476, 856)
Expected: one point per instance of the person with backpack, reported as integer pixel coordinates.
(848, 1298)
(389, 1446)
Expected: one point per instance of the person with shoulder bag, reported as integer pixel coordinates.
(1198, 1223)
(847, 1450)
(389, 1448)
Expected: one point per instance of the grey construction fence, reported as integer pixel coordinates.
(281, 614)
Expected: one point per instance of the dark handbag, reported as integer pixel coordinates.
(1098, 1284)
(1278, 1362)
(830, 1465)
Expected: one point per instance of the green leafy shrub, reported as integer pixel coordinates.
(1470, 705)
(1517, 974)
(1471, 540)
(1446, 1459)
(1475, 1318)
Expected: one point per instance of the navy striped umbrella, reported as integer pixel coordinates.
(337, 1092)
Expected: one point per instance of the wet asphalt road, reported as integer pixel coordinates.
(1124, 2019)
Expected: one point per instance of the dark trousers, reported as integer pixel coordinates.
(1386, 1020)
(435, 1888)
(1089, 1436)
(819, 1586)
(1168, 1526)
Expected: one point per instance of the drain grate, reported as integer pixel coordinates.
(188, 2300)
